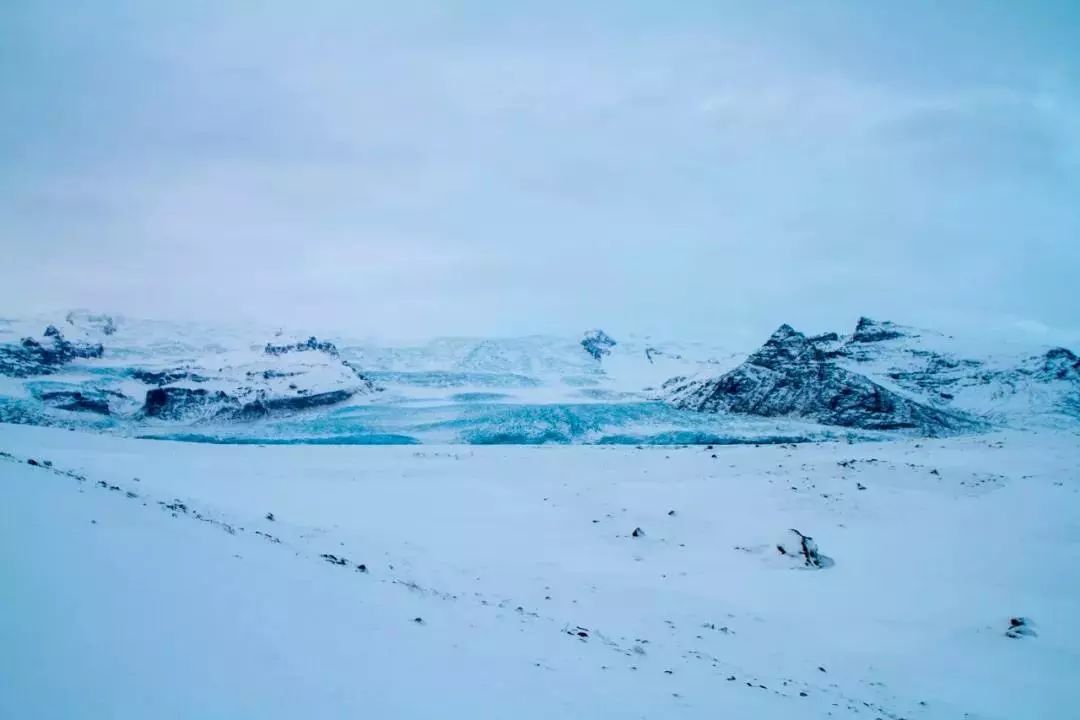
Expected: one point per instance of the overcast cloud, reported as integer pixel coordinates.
(691, 170)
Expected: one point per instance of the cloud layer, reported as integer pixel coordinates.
(702, 171)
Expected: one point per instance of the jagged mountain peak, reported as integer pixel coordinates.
(872, 331)
(786, 345)
(1061, 363)
(792, 375)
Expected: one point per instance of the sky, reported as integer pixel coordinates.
(691, 170)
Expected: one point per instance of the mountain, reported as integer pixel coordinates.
(32, 356)
(180, 380)
(888, 376)
(791, 375)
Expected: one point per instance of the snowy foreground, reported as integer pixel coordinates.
(144, 579)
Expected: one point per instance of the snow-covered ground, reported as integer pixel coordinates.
(144, 579)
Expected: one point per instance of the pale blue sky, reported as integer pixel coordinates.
(696, 170)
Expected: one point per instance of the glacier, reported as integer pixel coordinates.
(153, 379)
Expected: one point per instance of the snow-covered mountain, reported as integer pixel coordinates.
(885, 376)
(139, 377)
(792, 375)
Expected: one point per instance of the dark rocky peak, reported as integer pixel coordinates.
(1060, 364)
(824, 339)
(597, 343)
(42, 357)
(786, 346)
(871, 331)
(793, 376)
(311, 344)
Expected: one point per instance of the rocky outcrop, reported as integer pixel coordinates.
(1059, 364)
(872, 331)
(43, 357)
(78, 401)
(264, 407)
(802, 551)
(792, 376)
(165, 377)
(366, 384)
(181, 403)
(310, 345)
(597, 343)
(185, 404)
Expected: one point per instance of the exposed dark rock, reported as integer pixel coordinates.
(791, 376)
(77, 401)
(804, 549)
(311, 344)
(34, 357)
(165, 377)
(271, 374)
(870, 331)
(1060, 364)
(598, 343)
(180, 403)
(263, 407)
(1020, 627)
(638, 532)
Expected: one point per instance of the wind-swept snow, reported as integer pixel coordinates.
(153, 579)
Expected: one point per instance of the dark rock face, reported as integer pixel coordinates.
(178, 403)
(785, 347)
(598, 343)
(165, 377)
(311, 344)
(871, 331)
(76, 401)
(792, 376)
(803, 549)
(1060, 364)
(263, 407)
(34, 357)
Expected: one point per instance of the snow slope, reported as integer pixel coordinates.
(144, 579)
